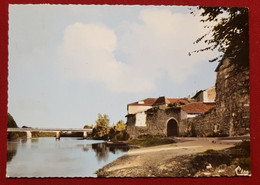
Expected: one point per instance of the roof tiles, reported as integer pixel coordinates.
(197, 107)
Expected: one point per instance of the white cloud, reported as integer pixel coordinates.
(87, 54)
(157, 46)
(162, 42)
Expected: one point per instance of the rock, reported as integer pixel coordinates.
(209, 166)
(207, 173)
(221, 171)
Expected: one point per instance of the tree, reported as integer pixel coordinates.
(230, 34)
(118, 132)
(103, 120)
(120, 125)
(11, 123)
(101, 130)
(88, 126)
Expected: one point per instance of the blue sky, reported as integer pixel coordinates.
(67, 63)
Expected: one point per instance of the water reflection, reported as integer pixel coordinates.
(68, 157)
(11, 151)
(102, 150)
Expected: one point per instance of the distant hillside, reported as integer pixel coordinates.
(11, 123)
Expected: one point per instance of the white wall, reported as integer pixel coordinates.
(136, 109)
(183, 114)
(209, 95)
(140, 119)
(192, 115)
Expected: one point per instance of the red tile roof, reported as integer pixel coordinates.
(175, 100)
(146, 102)
(197, 107)
(159, 101)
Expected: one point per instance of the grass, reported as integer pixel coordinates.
(236, 156)
(148, 140)
(209, 151)
(241, 155)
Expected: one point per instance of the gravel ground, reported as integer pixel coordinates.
(181, 159)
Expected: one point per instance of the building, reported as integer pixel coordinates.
(194, 109)
(143, 105)
(207, 95)
(231, 115)
(161, 116)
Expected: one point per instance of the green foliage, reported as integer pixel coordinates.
(120, 136)
(241, 155)
(118, 132)
(149, 140)
(11, 123)
(14, 135)
(230, 33)
(210, 151)
(88, 126)
(120, 126)
(102, 121)
(101, 130)
(43, 134)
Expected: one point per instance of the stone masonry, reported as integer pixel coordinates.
(232, 98)
(156, 121)
(230, 117)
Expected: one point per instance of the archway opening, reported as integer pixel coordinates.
(172, 128)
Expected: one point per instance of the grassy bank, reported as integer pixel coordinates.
(149, 140)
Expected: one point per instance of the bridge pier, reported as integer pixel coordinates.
(58, 135)
(85, 135)
(28, 134)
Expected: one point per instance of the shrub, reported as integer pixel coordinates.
(241, 155)
(210, 151)
(149, 140)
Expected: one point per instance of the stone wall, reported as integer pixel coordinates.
(230, 117)
(156, 121)
(232, 98)
(231, 114)
(204, 125)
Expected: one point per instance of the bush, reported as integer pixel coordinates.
(210, 151)
(241, 155)
(11, 123)
(149, 140)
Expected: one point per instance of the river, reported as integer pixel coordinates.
(67, 157)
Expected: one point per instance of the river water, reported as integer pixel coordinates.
(67, 157)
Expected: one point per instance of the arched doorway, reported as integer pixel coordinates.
(172, 128)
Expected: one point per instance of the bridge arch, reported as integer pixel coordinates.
(172, 128)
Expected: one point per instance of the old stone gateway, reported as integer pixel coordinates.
(172, 128)
(161, 116)
(158, 120)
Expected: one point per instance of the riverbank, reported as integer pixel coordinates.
(185, 158)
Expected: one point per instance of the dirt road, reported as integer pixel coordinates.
(152, 161)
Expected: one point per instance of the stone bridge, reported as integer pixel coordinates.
(57, 130)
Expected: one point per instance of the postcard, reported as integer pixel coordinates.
(128, 91)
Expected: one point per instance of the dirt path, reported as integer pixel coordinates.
(142, 162)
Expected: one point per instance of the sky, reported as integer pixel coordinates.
(67, 63)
